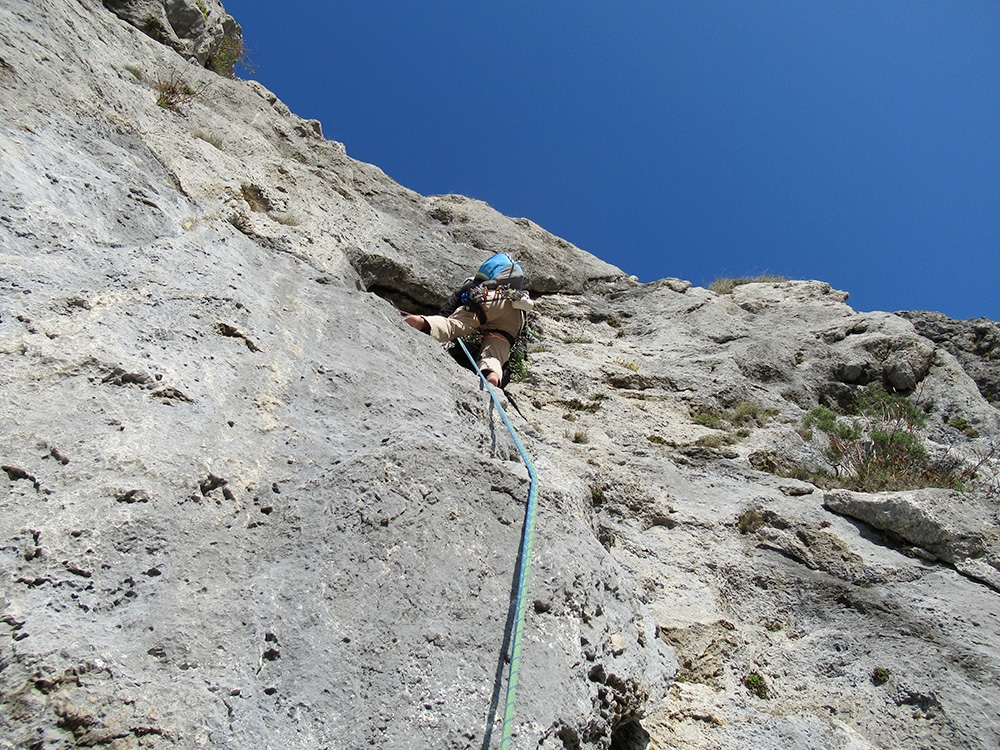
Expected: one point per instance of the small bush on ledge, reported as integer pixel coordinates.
(174, 93)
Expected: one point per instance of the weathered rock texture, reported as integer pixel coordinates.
(940, 524)
(976, 344)
(247, 507)
(200, 30)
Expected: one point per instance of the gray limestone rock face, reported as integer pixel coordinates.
(245, 506)
(556, 265)
(957, 528)
(200, 30)
(975, 343)
(686, 397)
(397, 266)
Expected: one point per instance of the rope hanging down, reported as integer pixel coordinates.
(527, 540)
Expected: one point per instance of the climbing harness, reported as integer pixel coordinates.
(524, 564)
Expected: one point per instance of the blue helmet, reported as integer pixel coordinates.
(502, 269)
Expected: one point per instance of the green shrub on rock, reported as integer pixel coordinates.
(880, 446)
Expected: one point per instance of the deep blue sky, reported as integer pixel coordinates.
(855, 142)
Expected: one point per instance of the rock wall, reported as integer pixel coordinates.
(976, 344)
(247, 507)
(200, 30)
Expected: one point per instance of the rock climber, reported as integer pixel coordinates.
(490, 301)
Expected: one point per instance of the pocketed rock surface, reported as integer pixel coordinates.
(247, 507)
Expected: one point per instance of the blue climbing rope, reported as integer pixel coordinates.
(527, 540)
